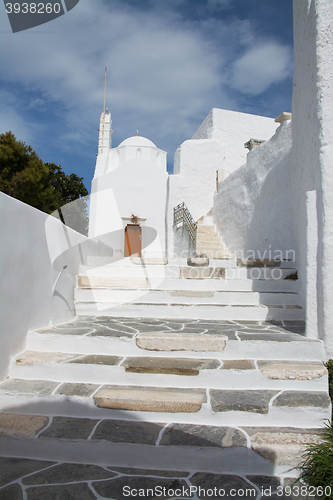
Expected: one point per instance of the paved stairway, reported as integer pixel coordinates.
(208, 241)
(102, 403)
(222, 290)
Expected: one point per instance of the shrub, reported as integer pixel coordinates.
(317, 467)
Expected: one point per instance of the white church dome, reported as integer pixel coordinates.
(137, 141)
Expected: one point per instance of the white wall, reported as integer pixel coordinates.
(34, 249)
(137, 187)
(232, 129)
(218, 144)
(253, 208)
(312, 159)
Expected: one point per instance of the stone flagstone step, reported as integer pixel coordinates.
(189, 297)
(309, 408)
(209, 373)
(174, 366)
(113, 282)
(261, 273)
(166, 400)
(180, 342)
(242, 450)
(102, 335)
(205, 311)
(209, 242)
(234, 397)
(239, 285)
(45, 479)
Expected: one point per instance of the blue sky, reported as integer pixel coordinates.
(169, 63)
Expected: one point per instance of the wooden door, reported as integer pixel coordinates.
(132, 240)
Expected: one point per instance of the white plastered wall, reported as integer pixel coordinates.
(34, 249)
(312, 160)
(218, 144)
(253, 207)
(137, 187)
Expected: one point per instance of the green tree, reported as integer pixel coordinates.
(24, 176)
(70, 193)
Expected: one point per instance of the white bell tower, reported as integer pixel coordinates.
(104, 138)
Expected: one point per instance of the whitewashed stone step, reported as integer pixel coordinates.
(272, 369)
(190, 272)
(249, 346)
(190, 311)
(256, 273)
(103, 335)
(229, 285)
(119, 296)
(213, 253)
(188, 372)
(152, 399)
(181, 342)
(202, 227)
(219, 406)
(148, 446)
(132, 271)
(207, 238)
(205, 242)
(120, 282)
(264, 261)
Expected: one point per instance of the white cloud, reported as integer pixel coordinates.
(12, 120)
(158, 69)
(165, 73)
(262, 65)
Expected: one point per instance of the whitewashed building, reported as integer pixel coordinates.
(133, 197)
(129, 195)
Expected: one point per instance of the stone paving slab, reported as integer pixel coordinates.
(175, 366)
(247, 401)
(12, 492)
(12, 469)
(181, 342)
(203, 435)
(69, 428)
(156, 399)
(71, 389)
(272, 337)
(122, 431)
(206, 482)
(33, 357)
(68, 473)
(80, 491)
(238, 364)
(292, 370)
(114, 489)
(21, 425)
(303, 399)
(281, 447)
(98, 359)
(113, 331)
(40, 387)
